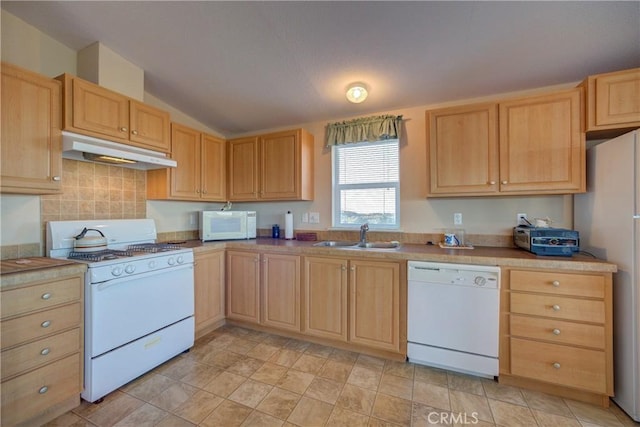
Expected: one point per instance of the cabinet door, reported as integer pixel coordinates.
(150, 127)
(614, 100)
(243, 286)
(209, 290)
(243, 169)
(100, 110)
(30, 136)
(213, 161)
(374, 302)
(281, 291)
(185, 149)
(279, 165)
(542, 147)
(463, 150)
(325, 297)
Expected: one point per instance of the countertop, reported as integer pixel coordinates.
(504, 257)
(20, 271)
(19, 265)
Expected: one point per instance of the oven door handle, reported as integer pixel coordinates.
(109, 283)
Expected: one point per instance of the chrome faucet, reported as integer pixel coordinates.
(363, 233)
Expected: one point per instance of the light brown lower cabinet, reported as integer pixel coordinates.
(42, 346)
(209, 275)
(264, 288)
(556, 333)
(369, 291)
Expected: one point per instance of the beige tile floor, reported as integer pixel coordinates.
(239, 377)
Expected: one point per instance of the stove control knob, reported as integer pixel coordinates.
(117, 271)
(152, 264)
(480, 281)
(171, 261)
(130, 268)
(180, 259)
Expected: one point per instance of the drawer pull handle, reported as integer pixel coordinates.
(46, 323)
(45, 351)
(46, 296)
(43, 389)
(556, 331)
(556, 365)
(556, 283)
(556, 307)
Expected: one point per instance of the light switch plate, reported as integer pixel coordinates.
(314, 217)
(305, 217)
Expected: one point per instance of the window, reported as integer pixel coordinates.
(366, 184)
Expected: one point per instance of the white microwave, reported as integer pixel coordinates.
(227, 225)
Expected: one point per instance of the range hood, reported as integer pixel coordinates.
(89, 149)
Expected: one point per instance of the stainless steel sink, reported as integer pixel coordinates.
(355, 245)
(335, 243)
(379, 245)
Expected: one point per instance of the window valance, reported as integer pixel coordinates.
(373, 128)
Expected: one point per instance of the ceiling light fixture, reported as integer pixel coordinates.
(357, 93)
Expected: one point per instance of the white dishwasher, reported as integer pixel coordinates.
(453, 316)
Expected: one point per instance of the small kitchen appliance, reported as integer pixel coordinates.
(227, 225)
(138, 294)
(547, 241)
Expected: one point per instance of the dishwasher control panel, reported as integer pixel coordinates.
(454, 274)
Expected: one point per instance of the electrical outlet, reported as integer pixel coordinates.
(192, 218)
(521, 219)
(314, 217)
(305, 217)
(457, 218)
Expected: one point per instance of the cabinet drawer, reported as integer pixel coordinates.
(30, 394)
(559, 364)
(32, 326)
(558, 307)
(559, 331)
(39, 352)
(24, 300)
(583, 285)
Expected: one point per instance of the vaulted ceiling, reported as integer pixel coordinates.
(245, 66)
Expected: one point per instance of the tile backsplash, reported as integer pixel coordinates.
(96, 191)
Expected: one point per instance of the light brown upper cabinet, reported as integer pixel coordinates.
(200, 174)
(532, 145)
(463, 150)
(92, 110)
(275, 166)
(613, 101)
(31, 159)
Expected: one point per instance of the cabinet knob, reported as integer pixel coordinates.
(198, 191)
(46, 296)
(353, 269)
(504, 182)
(556, 365)
(56, 178)
(556, 331)
(123, 129)
(45, 351)
(204, 191)
(556, 307)
(492, 183)
(46, 323)
(556, 283)
(134, 132)
(43, 389)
